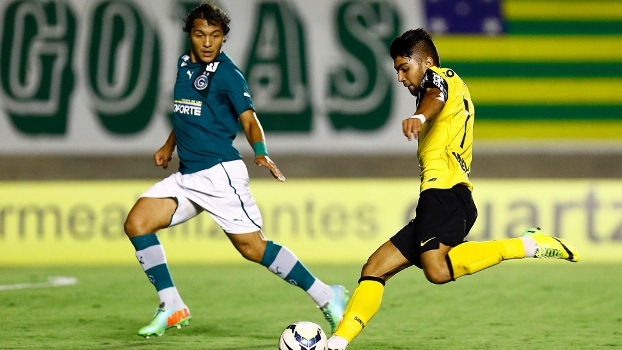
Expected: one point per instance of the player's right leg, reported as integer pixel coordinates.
(471, 257)
(226, 197)
(284, 263)
(149, 215)
(384, 263)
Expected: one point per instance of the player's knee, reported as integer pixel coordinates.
(373, 269)
(135, 226)
(437, 275)
(130, 227)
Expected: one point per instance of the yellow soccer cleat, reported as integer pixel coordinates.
(552, 247)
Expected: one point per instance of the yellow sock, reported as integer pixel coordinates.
(471, 257)
(363, 305)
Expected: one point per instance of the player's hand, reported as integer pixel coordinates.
(162, 157)
(262, 160)
(411, 128)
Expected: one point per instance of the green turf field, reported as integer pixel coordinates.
(516, 305)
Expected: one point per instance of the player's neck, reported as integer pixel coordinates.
(193, 58)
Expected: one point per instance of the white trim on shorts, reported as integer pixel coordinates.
(222, 191)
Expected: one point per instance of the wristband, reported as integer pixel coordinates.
(260, 148)
(420, 117)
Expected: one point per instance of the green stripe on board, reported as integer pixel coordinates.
(563, 27)
(547, 112)
(535, 69)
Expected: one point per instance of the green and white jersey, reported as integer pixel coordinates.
(208, 101)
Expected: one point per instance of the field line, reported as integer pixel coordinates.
(51, 282)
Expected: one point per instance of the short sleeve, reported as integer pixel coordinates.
(237, 91)
(435, 80)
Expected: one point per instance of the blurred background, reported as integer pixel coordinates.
(86, 91)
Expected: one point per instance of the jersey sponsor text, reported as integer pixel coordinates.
(189, 107)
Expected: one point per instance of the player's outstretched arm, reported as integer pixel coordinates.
(431, 105)
(255, 136)
(165, 153)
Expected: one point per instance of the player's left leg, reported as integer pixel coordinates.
(384, 263)
(284, 263)
(150, 215)
(471, 257)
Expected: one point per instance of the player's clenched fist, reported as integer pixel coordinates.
(412, 126)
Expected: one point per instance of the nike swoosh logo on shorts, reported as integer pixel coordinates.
(425, 242)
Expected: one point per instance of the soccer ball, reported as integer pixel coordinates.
(303, 335)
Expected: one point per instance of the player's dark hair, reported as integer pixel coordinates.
(415, 42)
(211, 13)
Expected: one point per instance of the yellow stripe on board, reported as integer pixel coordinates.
(547, 129)
(545, 91)
(321, 220)
(562, 10)
(530, 48)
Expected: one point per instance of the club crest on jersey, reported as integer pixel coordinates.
(201, 82)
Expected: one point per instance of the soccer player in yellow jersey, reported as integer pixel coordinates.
(435, 239)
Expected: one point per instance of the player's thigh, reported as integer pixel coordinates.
(434, 264)
(385, 262)
(223, 191)
(149, 215)
(164, 204)
(442, 217)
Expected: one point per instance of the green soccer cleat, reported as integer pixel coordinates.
(334, 310)
(552, 247)
(164, 319)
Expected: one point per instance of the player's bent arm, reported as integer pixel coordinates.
(431, 105)
(255, 136)
(165, 153)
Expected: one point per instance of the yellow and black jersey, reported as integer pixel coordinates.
(445, 142)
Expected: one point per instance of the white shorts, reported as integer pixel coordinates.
(222, 191)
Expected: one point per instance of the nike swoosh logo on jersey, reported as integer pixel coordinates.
(426, 242)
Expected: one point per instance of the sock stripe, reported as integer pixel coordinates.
(269, 255)
(450, 267)
(300, 276)
(151, 256)
(160, 277)
(284, 262)
(144, 241)
(372, 278)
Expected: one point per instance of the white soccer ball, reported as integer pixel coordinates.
(303, 335)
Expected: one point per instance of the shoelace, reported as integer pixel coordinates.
(548, 253)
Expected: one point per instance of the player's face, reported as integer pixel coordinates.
(410, 71)
(206, 41)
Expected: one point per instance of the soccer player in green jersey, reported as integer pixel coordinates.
(211, 98)
(435, 239)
